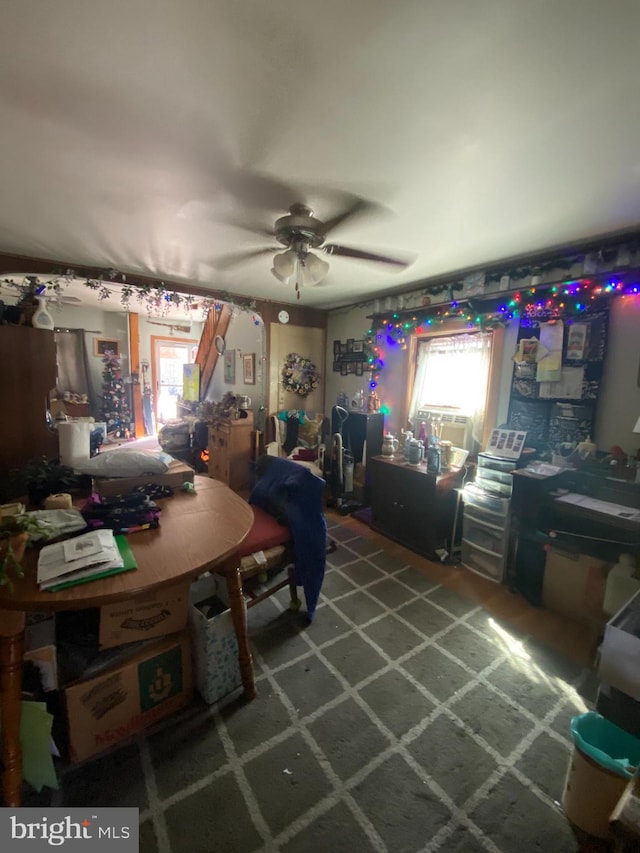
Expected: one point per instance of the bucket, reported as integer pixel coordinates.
(604, 759)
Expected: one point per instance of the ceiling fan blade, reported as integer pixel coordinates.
(225, 262)
(358, 254)
(255, 190)
(356, 207)
(244, 225)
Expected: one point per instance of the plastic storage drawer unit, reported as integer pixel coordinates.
(482, 561)
(484, 535)
(475, 496)
(495, 464)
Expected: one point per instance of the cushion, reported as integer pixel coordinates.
(265, 533)
(309, 432)
(126, 463)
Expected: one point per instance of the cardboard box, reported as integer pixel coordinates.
(214, 643)
(177, 474)
(154, 614)
(619, 654)
(143, 689)
(574, 586)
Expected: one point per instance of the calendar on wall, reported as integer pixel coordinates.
(557, 371)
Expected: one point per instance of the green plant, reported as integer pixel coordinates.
(46, 477)
(14, 534)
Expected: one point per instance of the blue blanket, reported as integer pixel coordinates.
(292, 493)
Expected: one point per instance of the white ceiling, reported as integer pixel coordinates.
(133, 131)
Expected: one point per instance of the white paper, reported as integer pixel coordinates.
(569, 386)
(576, 341)
(506, 443)
(606, 507)
(53, 564)
(550, 365)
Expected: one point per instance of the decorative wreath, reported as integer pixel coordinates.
(299, 375)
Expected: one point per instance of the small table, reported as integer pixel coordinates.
(198, 533)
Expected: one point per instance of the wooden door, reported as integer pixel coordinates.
(308, 342)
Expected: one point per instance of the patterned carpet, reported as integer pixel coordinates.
(404, 719)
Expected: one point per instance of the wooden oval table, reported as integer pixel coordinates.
(198, 533)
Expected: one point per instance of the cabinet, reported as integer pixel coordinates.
(412, 506)
(230, 453)
(27, 375)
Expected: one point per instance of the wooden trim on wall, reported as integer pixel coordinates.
(134, 367)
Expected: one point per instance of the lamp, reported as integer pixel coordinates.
(300, 266)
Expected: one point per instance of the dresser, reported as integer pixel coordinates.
(230, 445)
(413, 506)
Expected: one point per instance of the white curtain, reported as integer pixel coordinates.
(453, 372)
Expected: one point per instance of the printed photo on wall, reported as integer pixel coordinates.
(230, 366)
(249, 368)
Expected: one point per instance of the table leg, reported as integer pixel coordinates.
(11, 652)
(231, 572)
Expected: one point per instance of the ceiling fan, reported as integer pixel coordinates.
(300, 232)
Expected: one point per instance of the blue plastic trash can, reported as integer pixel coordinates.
(604, 758)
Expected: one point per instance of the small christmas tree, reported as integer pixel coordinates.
(115, 405)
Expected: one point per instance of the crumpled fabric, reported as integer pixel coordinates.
(292, 492)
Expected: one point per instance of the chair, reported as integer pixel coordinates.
(300, 437)
(289, 530)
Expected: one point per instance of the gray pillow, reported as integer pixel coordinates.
(126, 463)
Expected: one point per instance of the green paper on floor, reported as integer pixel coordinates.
(35, 740)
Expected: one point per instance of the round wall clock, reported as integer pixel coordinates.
(219, 344)
(283, 316)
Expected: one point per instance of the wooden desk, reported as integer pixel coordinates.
(197, 533)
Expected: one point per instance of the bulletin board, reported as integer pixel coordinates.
(557, 371)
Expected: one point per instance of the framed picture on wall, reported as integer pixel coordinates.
(230, 366)
(249, 368)
(104, 345)
(358, 346)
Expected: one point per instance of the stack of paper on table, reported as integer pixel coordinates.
(87, 557)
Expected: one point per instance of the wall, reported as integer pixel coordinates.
(98, 324)
(246, 334)
(619, 403)
(618, 407)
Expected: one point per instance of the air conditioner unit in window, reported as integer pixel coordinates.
(454, 427)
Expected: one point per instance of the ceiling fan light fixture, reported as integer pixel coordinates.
(284, 264)
(316, 268)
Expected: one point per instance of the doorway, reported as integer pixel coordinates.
(169, 355)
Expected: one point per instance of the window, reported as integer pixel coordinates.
(452, 375)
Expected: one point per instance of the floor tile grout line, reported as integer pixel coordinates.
(155, 807)
(237, 768)
(333, 778)
(396, 745)
(316, 649)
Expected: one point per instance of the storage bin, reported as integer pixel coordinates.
(490, 462)
(474, 495)
(503, 477)
(482, 561)
(486, 516)
(503, 489)
(487, 536)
